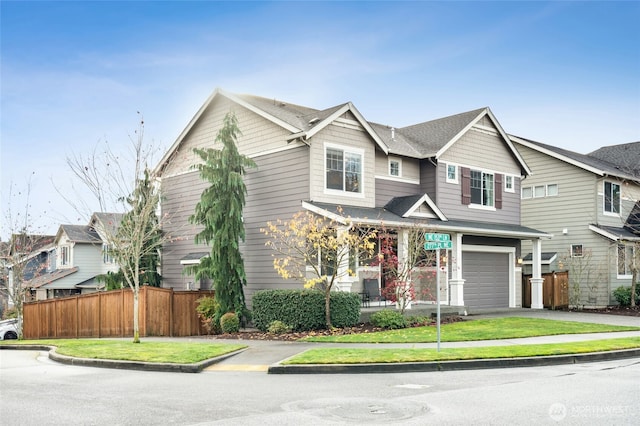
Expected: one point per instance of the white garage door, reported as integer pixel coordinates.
(486, 278)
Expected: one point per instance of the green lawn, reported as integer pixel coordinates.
(364, 356)
(160, 352)
(481, 329)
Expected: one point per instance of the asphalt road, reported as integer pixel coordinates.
(37, 391)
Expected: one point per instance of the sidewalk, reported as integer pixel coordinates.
(266, 355)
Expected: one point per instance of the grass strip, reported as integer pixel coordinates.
(367, 356)
(471, 330)
(158, 352)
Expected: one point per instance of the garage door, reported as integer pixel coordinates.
(486, 279)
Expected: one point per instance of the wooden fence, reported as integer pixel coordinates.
(555, 290)
(162, 312)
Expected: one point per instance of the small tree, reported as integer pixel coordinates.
(400, 275)
(317, 251)
(136, 241)
(219, 211)
(584, 273)
(19, 254)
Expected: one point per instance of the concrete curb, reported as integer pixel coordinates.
(473, 364)
(125, 365)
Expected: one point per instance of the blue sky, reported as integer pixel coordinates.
(74, 74)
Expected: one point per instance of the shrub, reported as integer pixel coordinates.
(207, 309)
(278, 327)
(388, 319)
(623, 295)
(418, 321)
(303, 310)
(230, 323)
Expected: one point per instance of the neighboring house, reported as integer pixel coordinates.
(587, 203)
(79, 254)
(458, 175)
(27, 257)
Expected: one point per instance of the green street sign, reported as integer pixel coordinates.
(434, 245)
(431, 236)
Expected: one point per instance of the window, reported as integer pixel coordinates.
(65, 256)
(625, 258)
(395, 168)
(452, 173)
(611, 198)
(508, 184)
(481, 188)
(576, 250)
(527, 192)
(106, 254)
(539, 191)
(343, 170)
(552, 190)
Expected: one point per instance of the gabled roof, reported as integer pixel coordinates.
(48, 278)
(370, 216)
(632, 223)
(407, 206)
(424, 140)
(79, 234)
(587, 162)
(109, 222)
(615, 233)
(626, 156)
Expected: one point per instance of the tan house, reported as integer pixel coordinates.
(587, 203)
(458, 175)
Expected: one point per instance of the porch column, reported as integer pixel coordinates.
(344, 281)
(536, 278)
(456, 283)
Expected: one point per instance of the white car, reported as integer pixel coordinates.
(9, 329)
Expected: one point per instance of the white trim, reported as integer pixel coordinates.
(604, 198)
(446, 173)
(345, 149)
(511, 251)
(482, 207)
(633, 248)
(397, 160)
(395, 179)
(322, 212)
(425, 199)
(513, 183)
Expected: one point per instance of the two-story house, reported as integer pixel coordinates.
(458, 175)
(79, 254)
(27, 257)
(587, 202)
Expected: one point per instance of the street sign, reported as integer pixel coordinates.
(431, 236)
(435, 245)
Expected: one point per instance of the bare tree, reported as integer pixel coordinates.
(113, 179)
(22, 255)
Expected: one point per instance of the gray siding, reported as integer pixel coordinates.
(428, 179)
(88, 259)
(450, 195)
(274, 190)
(387, 189)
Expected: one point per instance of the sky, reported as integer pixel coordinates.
(75, 74)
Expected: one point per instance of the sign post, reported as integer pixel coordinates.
(436, 242)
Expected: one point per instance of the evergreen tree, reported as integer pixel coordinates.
(220, 212)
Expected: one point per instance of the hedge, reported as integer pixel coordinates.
(303, 310)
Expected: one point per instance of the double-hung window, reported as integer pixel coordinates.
(611, 198)
(65, 256)
(625, 260)
(482, 188)
(343, 170)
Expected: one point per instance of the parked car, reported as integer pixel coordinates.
(9, 329)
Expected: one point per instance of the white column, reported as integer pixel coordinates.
(536, 278)
(456, 283)
(344, 282)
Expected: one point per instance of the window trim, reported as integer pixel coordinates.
(446, 172)
(67, 249)
(397, 160)
(625, 276)
(557, 190)
(522, 189)
(482, 205)
(574, 252)
(508, 178)
(345, 150)
(604, 199)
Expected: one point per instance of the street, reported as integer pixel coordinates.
(35, 390)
